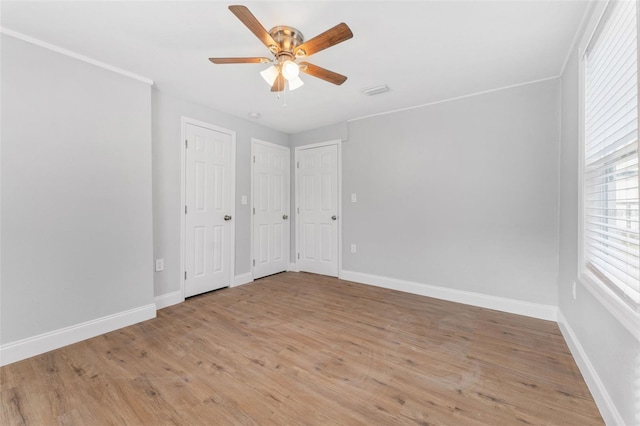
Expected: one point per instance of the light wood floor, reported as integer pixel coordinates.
(300, 349)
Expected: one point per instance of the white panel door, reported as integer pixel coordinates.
(208, 206)
(271, 227)
(317, 200)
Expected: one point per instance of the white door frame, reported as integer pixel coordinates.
(338, 143)
(232, 181)
(271, 144)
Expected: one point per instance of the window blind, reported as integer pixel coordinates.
(611, 245)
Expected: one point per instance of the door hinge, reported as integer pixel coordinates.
(254, 158)
(298, 209)
(298, 255)
(186, 144)
(254, 210)
(185, 275)
(254, 262)
(298, 165)
(185, 209)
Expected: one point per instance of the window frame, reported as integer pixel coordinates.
(618, 307)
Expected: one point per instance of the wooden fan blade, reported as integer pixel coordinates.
(240, 60)
(278, 85)
(331, 37)
(322, 73)
(250, 21)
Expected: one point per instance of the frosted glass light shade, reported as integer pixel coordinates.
(294, 83)
(270, 75)
(290, 70)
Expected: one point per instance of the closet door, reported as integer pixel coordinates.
(271, 224)
(317, 208)
(208, 189)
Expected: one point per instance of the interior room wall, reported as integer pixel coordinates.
(607, 352)
(76, 192)
(461, 194)
(167, 143)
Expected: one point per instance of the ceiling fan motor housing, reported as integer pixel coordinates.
(288, 38)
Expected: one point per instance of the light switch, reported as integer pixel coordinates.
(243, 200)
(354, 198)
(353, 248)
(159, 265)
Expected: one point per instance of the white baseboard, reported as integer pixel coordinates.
(242, 279)
(168, 299)
(519, 307)
(293, 267)
(32, 346)
(607, 407)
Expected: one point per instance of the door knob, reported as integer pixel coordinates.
(285, 217)
(227, 217)
(334, 217)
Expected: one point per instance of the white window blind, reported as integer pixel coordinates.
(611, 248)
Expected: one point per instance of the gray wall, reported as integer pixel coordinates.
(612, 350)
(461, 194)
(167, 113)
(76, 192)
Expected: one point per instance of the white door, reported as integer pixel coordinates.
(317, 201)
(271, 190)
(208, 195)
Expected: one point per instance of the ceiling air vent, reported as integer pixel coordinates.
(376, 90)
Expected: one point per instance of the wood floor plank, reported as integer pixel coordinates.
(298, 348)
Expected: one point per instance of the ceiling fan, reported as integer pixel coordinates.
(287, 45)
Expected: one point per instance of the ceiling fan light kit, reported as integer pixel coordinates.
(287, 45)
(290, 69)
(270, 74)
(294, 83)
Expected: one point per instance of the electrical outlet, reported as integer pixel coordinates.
(243, 200)
(354, 198)
(353, 248)
(573, 290)
(159, 265)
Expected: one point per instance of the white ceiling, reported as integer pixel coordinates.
(425, 51)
